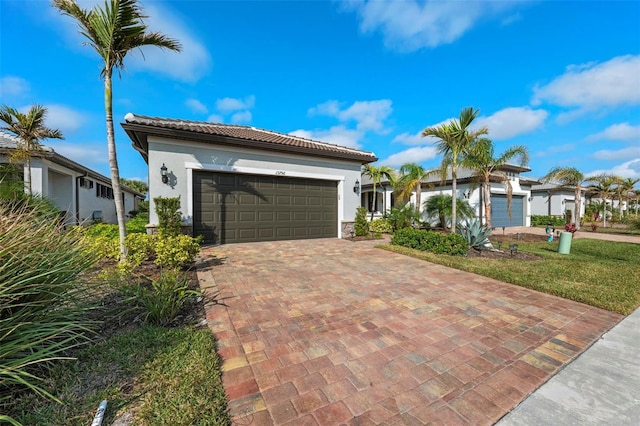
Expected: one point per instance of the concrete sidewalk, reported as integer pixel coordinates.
(602, 386)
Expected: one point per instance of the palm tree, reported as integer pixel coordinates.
(411, 176)
(603, 187)
(440, 206)
(113, 31)
(30, 130)
(455, 140)
(569, 177)
(486, 166)
(625, 191)
(377, 173)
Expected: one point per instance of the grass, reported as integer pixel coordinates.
(160, 376)
(604, 274)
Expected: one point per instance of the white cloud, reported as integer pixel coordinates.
(510, 122)
(368, 115)
(87, 154)
(234, 104)
(628, 169)
(411, 25)
(196, 106)
(593, 86)
(619, 132)
(241, 117)
(13, 86)
(620, 154)
(63, 118)
(410, 139)
(416, 154)
(338, 135)
(215, 118)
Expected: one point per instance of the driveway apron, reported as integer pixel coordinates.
(331, 332)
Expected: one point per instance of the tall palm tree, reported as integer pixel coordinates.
(486, 167)
(604, 187)
(377, 173)
(410, 179)
(455, 140)
(30, 130)
(113, 31)
(572, 178)
(625, 191)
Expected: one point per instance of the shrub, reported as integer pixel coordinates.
(361, 226)
(475, 234)
(140, 247)
(570, 227)
(541, 220)
(381, 225)
(103, 247)
(42, 298)
(102, 230)
(167, 295)
(176, 252)
(169, 217)
(403, 216)
(634, 224)
(436, 242)
(138, 224)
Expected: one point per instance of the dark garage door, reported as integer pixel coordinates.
(499, 215)
(238, 208)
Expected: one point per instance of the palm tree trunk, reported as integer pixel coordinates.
(373, 208)
(487, 201)
(113, 164)
(418, 195)
(27, 176)
(454, 196)
(578, 205)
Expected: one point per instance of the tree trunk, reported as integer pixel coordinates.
(27, 176)
(454, 196)
(373, 207)
(578, 205)
(418, 195)
(487, 201)
(113, 164)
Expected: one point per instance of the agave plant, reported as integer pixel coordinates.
(475, 234)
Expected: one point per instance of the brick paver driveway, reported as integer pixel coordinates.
(335, 332)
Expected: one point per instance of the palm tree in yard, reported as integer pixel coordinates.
(454, 141)
(572, 178)
(604, 187)
(30, 130)
(411, 176)
(440, 206)
(376, 174)
(482, 161)
(625, 191)
(113, 31)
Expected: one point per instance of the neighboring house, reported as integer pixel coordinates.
(549, 199)
(81, 193)
(242, 184)
(468, 189)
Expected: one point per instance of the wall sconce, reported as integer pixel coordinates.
(356, 187)
(467, 194)
(163, 173)
(563, 201)
(530, 198)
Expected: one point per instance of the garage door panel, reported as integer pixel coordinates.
(241, 208)
(499, 214)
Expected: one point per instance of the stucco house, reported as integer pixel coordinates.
(549, 199)
(243, 184)
(81, 194)
(468, 189)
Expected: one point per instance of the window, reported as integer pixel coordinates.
(103, 191)
(86, 183)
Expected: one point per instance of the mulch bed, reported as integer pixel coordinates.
(503, 241)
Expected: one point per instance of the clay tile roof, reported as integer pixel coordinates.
(279, 141)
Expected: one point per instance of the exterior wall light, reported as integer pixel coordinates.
(356, 187)
(163, 173)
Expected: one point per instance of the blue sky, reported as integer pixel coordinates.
(561, 77)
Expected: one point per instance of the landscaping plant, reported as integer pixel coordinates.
(475, 234)
(435, 242)
(361, 227)
(166, 296)
(42, 299)
(169, 216)
(381, 225)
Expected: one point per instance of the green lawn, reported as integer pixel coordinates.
(162, 376)
(599, 273)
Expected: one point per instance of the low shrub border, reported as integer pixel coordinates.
(431, 241)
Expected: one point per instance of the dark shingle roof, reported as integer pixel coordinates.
(138, 127)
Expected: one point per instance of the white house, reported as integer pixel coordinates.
(242, 184)
(467, 188)
(549, 199)
(82, 194)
